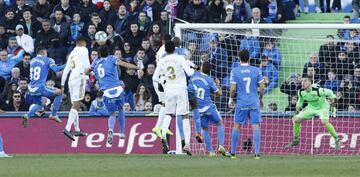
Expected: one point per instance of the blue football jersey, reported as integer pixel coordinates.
(39, 68)
(179, 51)
(246, 78)
(204, 86)
(105, 71)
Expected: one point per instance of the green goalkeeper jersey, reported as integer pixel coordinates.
(316, 98)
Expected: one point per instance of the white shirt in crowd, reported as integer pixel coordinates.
(26, 42)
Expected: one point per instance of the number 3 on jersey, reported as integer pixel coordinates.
(35, 73)
(247, 81)
(171, 72)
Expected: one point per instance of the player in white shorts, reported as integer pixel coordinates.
(170, 72)
(77, 62)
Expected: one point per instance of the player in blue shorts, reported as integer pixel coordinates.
(204, 86)
(39, 68)
(245, 80)
(105, 71)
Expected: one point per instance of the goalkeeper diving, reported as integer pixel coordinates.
(320, 101)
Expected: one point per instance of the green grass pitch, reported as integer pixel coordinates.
(86, 165)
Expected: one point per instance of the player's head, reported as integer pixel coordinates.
(206, 67)
(41, 50)
(176, 41)
(169, 47)
(103, 51)
(81, 41)
(165, 38)
(244, 56)
(306, 82)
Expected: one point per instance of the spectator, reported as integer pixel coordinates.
(272, 53)
(7, 63)
(356, 8)
(127, 107)
(134, 36)
(274, 11)
(147, 81)
(218, 59)
(356, 78)
(314, 62)
(3, 7)
(194, 53)
(121, 20)
(45, 35)
(24, 41)
(3, 37)
(292, 104)
(152, 9)
(30, 24)
(327, 52)
(242, 11)
(344, 65)
(141, 96)
(332, 83)
(336, 6)
(127, 54)
(348, 94)
(312, 73)
(133, 9)
(86, 101)
(148, 106)
(140, 57)
(76, 27)
(13, 47)
(114, 39)
(270, 73)
(107, 14)
(273, 107)
(67, 9)
(145, 44)
(96, 20)
(16, 103)
(229, 16)
(256, 19)
(216, 11)
(24, 66)
(15, 76)
(345, 33)
(61, 26)
(130, 80)
(352, 51)
(196, 12)
(143, 22)
(90, 35)
(23, 86)
(251, 43)
(86, 8)
(9, 22)
(19, 8)
(155, 37)
(97, 107)
(164, 23)
(57, 51)
(65, 103)
(8, 91)
(42, 10)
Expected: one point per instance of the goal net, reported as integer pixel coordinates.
(284, 53)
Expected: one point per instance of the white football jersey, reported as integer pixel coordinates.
(77, 62)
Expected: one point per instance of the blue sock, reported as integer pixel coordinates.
(256, 138)
(207, 140)
(1, 144)
(33, 109)
(121, 120)
(197, 122)
(220, 132)
(111, 122)
(179, 121)
(56, 105)
(234, 140)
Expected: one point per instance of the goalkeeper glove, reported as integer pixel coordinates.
(334, 111)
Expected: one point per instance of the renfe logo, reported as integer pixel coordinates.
(99, 140)
(343, 139)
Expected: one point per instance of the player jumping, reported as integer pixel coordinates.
(39, 68)
(204, 86)
(245, 80)
(317, 106)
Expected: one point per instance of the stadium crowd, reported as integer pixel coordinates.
(135, 30)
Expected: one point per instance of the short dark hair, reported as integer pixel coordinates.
(26, 54)
(81, 39)
(140, 49)
(24, 79)
(206, 67)
(244, 56)
(40, 49)
(169, 47)
(166, 37)
(331, 36)
(347, 16)
(27, 10)
(308, 77)
(176, 41)
(103, 51)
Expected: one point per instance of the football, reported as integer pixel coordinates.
(101, 37)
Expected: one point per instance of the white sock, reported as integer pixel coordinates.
(71, 119)
(187, 130)
(76, 122)
(161, 117)
(165, 125)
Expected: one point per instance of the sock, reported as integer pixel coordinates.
(256, 138)
(76, 121)
(197, 123)
(71, 119)
(330, 128)
(296, 130)
(56, 105)
(111, 122)
(234, 140)
(1, 144)
(220, 132)
(207, 139)
(165, 125)
(121, 120)
(187, 130)
(33, 109)
(179, 122)
(161, 117)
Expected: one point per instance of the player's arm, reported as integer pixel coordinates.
(186, 67)
(157, 78)
(218, 90)
(191, 64)
(232, 87)
(126, 65)
(65, 74)
(55, 67)
(300, 102)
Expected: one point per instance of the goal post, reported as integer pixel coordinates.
(329, 53)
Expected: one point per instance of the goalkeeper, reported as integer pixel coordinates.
(317, 106)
